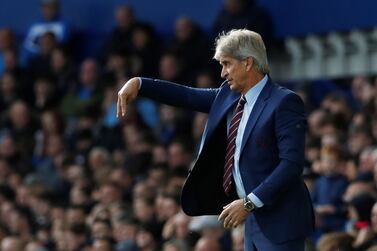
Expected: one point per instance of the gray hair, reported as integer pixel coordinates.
(241, 44)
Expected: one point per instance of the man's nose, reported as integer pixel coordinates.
(224, 74)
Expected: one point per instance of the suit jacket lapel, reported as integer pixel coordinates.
(217, 114)
(256, 112)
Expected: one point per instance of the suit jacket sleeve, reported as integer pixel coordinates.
(198, 99)
(290, 126)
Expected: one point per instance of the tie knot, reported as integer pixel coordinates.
(242, 100)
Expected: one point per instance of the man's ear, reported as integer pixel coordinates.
(249, 62)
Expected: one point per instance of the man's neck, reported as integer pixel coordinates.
(254, 79)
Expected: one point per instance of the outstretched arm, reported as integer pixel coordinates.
(198, 99)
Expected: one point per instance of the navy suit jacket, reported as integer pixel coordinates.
(271, 159)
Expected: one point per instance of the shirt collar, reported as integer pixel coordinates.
(256, 89)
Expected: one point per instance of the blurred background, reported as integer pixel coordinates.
(74, 177)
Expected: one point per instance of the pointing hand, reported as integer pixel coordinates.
(126, 95)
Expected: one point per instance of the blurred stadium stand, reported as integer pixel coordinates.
(72, 175)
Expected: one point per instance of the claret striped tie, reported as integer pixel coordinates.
(231, 146)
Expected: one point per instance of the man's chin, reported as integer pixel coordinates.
(232, 87)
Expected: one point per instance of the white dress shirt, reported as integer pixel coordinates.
(251, 97)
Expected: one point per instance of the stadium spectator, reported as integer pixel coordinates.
(239, 14)
(148, 237)
(75, 214)
(175, 245)
(7, 43)
(358, 139)
(179, 154)
(124, 233)
(40, 64)
(86, 93)
(145, 50)
(120, 38)
(12, 243)
(335, 241)
(328, 191)
(102, 244)
(35, 246)
(44, 94)
(74, 238)
(63, 70)
(360, 211)
(9, 90)
(207, 244)
(170, 68)
(51, 24)
(101, 229)
(190, 46)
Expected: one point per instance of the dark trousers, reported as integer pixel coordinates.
(255, 240)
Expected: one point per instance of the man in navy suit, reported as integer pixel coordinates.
(251, 157)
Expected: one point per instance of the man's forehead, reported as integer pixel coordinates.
(225, 58)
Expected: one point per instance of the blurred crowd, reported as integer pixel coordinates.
(341, 165)
(74, 177)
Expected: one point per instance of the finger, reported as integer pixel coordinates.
(228, 221)
(118, 107)
(226, 206)
(228, 224)
(123, 105)
(223, 214)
